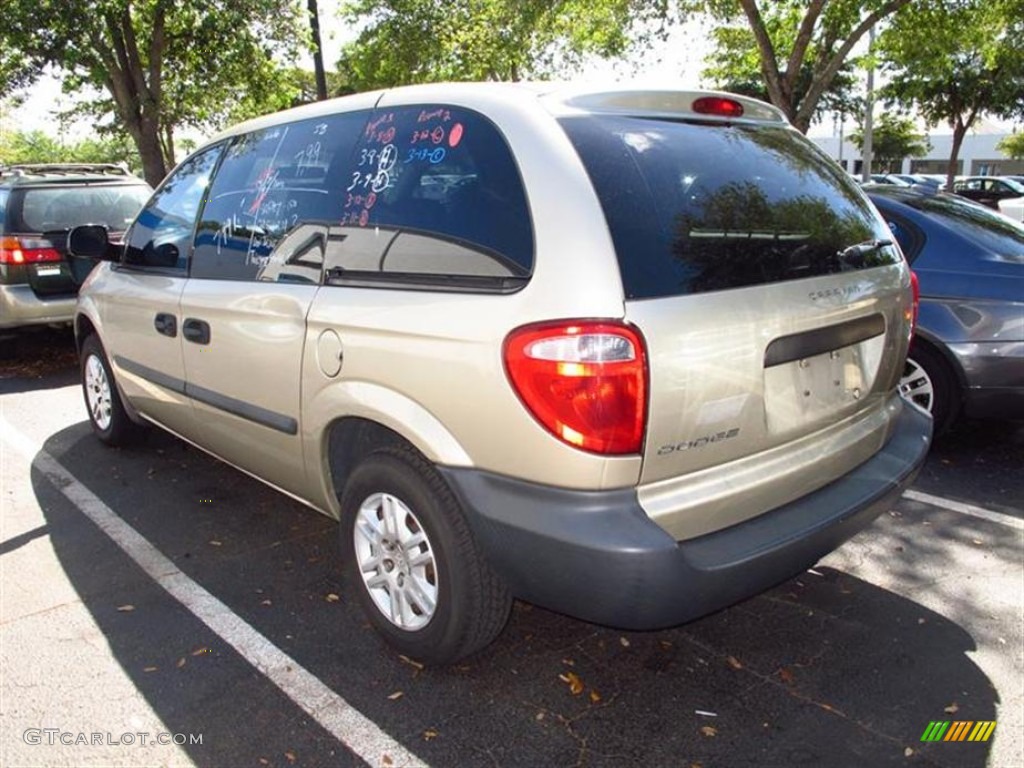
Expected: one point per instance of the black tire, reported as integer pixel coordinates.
(110, 422)
(472, 604)
(929, 381)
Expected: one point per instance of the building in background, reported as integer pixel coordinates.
(979, 154)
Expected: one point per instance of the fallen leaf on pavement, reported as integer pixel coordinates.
(709, 731)
(290, 756)
(215, 543)
(386, 760)
(734, 662)
(411, 662)
(908, 752)
(573, 681)
(595, 697)
(265, 602)
(624, 642)
(181, 662)
(332, 598)
(396, 695)
(785, 675)
(149, 669)
(429, 734)
(125, 608)
(952, 709)
(200, 651)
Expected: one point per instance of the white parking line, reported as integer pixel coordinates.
(333, 713)
(1000, 518)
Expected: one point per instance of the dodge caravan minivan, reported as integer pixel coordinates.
(629, 354)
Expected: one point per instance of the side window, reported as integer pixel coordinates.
(909, 236)
(162, 233)
(3, 209)
(275, 195)
(432, 197)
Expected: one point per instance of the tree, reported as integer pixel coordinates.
(893, 139)
(164, 63)
(1013, 145)
(418, 41)
(956, 60)
(37, 147)
(797, 49)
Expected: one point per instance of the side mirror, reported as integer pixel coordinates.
(89, 241)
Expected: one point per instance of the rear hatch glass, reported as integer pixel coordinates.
(769, 293)
(696, 207)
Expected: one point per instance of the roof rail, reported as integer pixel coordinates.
(26, 169)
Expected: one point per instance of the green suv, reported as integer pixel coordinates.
(39, 204)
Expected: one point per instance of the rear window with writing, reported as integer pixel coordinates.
(432, 190)
(271, 184)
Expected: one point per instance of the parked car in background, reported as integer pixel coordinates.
(988, 190)
(629, 354)
(39, 205)
(968, 353)
(889, 178)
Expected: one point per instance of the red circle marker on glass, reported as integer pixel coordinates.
(455, 135)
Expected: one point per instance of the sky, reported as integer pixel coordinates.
(679, 59)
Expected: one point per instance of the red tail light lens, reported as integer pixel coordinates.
(585, 381)
(915, 303)
(23, 250)
(717, 105)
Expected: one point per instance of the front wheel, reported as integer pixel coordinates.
(411, 557)
(107, 415)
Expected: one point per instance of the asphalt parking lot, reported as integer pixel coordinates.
(155, 592)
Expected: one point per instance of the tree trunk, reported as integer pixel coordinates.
(959, 131)
(146, 135)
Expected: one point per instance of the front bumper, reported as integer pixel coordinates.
(597, 556)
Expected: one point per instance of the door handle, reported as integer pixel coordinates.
(196, 331)
(166, 324)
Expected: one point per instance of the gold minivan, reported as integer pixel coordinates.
(628, 354)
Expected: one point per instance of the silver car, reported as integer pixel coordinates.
(628, 354)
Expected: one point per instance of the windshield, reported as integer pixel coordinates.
(707, 207)
(45, 209)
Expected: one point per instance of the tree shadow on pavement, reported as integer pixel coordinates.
(826, 669)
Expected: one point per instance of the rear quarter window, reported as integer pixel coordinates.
(706, 207)
(433, 197)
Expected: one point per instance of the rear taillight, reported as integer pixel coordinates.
(719, 106)
(585, 381)
(26, 250)
(915, 303)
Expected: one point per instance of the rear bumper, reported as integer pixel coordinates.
(19, 305)
(598, 557)
(994, 372)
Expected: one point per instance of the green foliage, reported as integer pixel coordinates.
(163, 63)
(955, 60)
(794, 53)
(37, 147)
(1013, 146)
(893, 138)
(419, 41)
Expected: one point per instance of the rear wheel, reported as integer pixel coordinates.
(928, 381)
(107, 415)
(413, 562)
